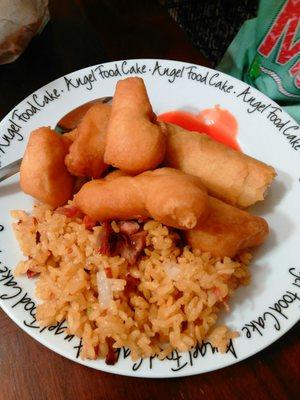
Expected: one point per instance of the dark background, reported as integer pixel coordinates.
(83, 33)
(211, 25)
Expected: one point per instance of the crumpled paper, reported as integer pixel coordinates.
(20, 20)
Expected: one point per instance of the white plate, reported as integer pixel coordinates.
(261, 312)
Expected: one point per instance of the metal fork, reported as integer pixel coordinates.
(65, 124)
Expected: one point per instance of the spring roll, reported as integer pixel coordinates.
(227, 230)
(135, 142)
(229, 175)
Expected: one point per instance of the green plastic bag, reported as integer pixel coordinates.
(266, 53)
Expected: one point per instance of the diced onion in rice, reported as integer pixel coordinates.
(172, 270)
(106, 287)
(104, 290)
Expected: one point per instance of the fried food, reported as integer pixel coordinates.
(86, 153)
(227, 230)
(135, 142)
(117, 173)
(69, 137)
(43, 173)
(191, 197)
(229, 175)
(169, 196)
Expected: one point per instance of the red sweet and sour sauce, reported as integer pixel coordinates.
(216, 122)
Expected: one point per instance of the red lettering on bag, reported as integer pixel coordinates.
(285, 25)
(289, 17)
(295, 71)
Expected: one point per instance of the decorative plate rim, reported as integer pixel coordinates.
(126, 371)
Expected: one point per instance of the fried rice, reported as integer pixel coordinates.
(169, 298)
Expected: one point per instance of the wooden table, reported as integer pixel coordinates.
(83, 33)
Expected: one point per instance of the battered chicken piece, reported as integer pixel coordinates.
(86, 153)
(115, 174)
(135, 142)
(69, 137)
(43, 173)
(169, 196)
(227, 230)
